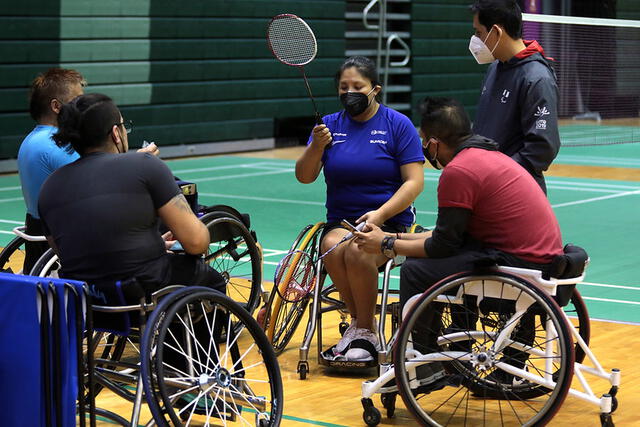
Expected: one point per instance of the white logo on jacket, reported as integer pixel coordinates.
(541, 124)
(542, 112)
(505, 96)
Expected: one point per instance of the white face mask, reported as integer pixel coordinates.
(480, 51)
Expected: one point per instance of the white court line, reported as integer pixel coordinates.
(595, 199)
(8, 221)
(602, 285)
(12, 199)
(10, 188)
(617, 301)
(215, 168)
(588, 190)
(246, 175)
(594, 184)
(7, 232)
(262, 199)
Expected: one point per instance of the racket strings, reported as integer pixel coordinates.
(291, 40)
(298, 271)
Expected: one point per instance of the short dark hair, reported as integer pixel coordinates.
(444, 119)
(53, 83)
(505, 13)
(364, 65)
(85, 122)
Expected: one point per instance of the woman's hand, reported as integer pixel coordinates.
(370, 241)
(371, 217)
(169, 241)
(321, 136)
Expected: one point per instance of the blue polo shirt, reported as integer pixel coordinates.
(38, 157)
(362, 166)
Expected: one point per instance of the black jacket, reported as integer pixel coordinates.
(518, 108)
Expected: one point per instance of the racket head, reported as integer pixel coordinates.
(291, 40)
(295, 276)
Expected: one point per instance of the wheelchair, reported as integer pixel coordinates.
(283, 316)
(202, 358)
(233, 251)
(497, 349)
(12, 255)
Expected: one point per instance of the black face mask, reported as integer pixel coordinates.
(355, 103)
(433, 160)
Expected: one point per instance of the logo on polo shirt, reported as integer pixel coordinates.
(336, 140)
(378, 132)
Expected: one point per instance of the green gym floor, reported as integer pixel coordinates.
(599, 215)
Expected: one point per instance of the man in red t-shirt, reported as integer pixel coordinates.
(490, 209)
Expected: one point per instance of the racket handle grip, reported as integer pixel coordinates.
(319, 119)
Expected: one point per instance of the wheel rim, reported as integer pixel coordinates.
(477, 387)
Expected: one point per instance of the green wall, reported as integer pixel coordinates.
(184, 72)
(442, 64)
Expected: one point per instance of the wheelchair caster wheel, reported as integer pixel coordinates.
(606, 420)
(303, 368)
(389, 403)
(342, 327)
(371, 415)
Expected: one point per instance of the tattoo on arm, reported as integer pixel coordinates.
(180, 202)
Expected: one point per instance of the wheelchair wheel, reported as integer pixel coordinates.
(233, 252)
(203, 378)
(47, 266)
(12, 256)
(283, 317)
(485, 343)
(577, 312)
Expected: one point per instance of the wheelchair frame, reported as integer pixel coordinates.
(532, 279)
(146, 377)
(321, 302)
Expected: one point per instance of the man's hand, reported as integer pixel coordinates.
(152, 148)
(370, 240)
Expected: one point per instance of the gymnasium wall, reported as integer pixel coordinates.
(184, 72)
(442, 64)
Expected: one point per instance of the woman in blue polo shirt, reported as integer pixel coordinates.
(373, 167)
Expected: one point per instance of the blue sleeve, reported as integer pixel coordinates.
(60, 157)
(407, 142)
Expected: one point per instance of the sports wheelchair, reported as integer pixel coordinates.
(201, 357)
(283, 315)
(493, 347)
(233, 251)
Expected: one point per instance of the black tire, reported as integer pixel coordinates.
(283, 317)
(47, 265)
(483, 306)
(233, 252)
(577, 312)
(216, 378)
(12, 256)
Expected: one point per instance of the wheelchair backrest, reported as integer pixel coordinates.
(120, 293)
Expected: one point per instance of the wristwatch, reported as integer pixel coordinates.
(386, 246)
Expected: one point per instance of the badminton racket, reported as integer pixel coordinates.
(293, 43)
(295, 275)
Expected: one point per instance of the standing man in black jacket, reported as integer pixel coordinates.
(518, 106)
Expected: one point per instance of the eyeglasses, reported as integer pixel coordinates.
(128, 125)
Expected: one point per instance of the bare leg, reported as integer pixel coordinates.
(337, 269)
(362, 274)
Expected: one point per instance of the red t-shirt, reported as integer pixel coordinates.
(509, 211)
